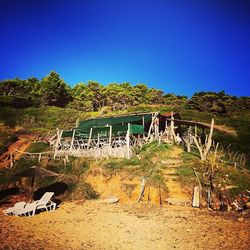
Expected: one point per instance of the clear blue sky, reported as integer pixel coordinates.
(176, 46)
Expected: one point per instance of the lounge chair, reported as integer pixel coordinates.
(18, 206)
(43, 203)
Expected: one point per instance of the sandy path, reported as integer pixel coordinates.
(175, 190)
(93, 225)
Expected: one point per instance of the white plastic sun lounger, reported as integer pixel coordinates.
(18, 206)
(43, 203)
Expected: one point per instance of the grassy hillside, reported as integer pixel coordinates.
(240, 121)
(6, 138)
(41, 120)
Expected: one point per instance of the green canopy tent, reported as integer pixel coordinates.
(104, 131)
(139, 119)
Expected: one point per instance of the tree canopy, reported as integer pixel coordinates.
(91, 96)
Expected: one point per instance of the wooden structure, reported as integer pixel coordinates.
(108, 136)
(116, 136)
(168, 129)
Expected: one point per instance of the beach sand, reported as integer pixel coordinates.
(95, 225)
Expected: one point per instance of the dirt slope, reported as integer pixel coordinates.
(169, 167)
(16, 149)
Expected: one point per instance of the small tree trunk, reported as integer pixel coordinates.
(203, 158)
(209, 140)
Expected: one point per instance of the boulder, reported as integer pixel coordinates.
(248, 204)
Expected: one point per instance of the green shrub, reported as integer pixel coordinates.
(185, 171)
(153, 147)
(113, 165)
(23, 164)
(37, 147)
(6, 138)
(185, 156)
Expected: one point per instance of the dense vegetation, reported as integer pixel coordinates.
(93, 96)
(43, 105)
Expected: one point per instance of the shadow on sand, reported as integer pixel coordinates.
(7, 192)
(57, 188)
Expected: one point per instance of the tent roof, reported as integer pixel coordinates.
(115, 120)
(104, 131)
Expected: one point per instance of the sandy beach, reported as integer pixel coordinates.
(95, 225)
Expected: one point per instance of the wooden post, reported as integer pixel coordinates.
(188, 140)
(151, 125)
(72, 140)
(172, 122)
(195, 131)
(39, 157)
(196, 197)
(172, 132)
(209, 141)
(58, 137)
(199, 148)
(203, 153)
(11, 160)
(98, 140)
(90, 135)
(208, 198)
(110, 135)
(58, 141)
(127, 141)
(157, 122)
(143, 183)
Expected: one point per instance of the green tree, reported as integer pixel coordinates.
(20, 93)
(154, 96)
(177, 102)
(139, 93)
(54, 91)
(219, 103)
(119, 96)
(83, 97)
(96, 90)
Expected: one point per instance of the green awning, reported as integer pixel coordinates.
(120, 120)
(104, 131)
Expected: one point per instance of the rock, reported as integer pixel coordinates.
(240, 219)
(175, 201)
(248, 204)
(110, 200)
